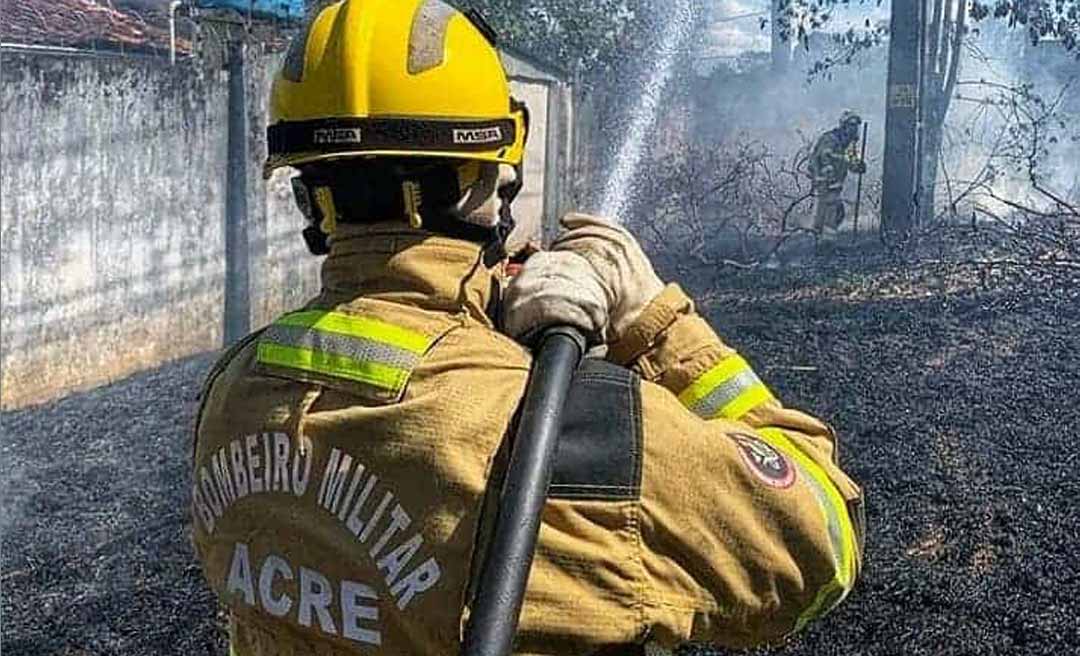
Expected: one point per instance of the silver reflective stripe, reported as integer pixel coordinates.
(427, 39)
(832, 521)
(725, 393)
(357, 348)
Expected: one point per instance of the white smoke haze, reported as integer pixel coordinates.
(16, 489)
(987, 130)
(735, 97)
(733, 28)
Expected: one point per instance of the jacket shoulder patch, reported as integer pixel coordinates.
(599, 451)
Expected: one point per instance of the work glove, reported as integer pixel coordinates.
(595, 277)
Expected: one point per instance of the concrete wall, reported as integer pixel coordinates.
(529, 205)
(112, 209)
(110, 230)
(545, 196)
(283, 273)
(112, 175)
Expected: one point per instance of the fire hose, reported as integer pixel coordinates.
(504, 573)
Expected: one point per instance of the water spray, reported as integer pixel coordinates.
(675, 34)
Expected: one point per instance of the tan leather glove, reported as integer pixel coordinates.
(555, 288)
(596, 277)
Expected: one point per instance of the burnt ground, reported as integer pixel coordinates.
(96, 551)
(950, 381)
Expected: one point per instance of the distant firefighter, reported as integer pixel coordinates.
(834, 155)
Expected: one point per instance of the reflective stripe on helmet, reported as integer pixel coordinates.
(841, 531)
(427, 38)
(730, 389)
(339, 345)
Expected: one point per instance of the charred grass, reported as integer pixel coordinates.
(950, 373)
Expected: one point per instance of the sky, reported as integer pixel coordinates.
(735, 25)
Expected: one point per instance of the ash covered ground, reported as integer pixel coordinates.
(951, 382)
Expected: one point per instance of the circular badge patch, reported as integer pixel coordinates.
(769, 465)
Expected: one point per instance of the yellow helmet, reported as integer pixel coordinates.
(849, 118)
(404, 78)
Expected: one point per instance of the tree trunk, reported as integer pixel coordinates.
(930, 152)
(899, 196)
(781, 49)
(941, 64)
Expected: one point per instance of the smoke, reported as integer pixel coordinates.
(16, 488)
(145, 4)
(995, 126)
(732, 27)
(745, 98)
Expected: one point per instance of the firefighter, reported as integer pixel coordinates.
(348, 455)
(833, 157)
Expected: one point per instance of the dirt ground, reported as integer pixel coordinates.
(950, 381)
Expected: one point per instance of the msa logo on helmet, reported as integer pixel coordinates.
(478, 135)
(324, 136)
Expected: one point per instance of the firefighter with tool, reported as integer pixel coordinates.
(349, 457)
(833, 157)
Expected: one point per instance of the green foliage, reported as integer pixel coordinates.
(1044, 20)
(1057, 20)
(589, 38)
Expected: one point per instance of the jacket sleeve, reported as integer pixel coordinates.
(754, 464)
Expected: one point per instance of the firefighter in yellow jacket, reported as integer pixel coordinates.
(348, 455)
(834, 155)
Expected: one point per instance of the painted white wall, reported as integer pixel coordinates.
(112, 203)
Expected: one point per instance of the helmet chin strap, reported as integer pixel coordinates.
(326, 202)
(496, 250)
(508, 192)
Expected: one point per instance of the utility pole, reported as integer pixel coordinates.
(900, 197)
(237, 250)
(230, 26)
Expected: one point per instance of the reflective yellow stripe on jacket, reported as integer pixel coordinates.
(730, 389)
(339, 345)
(842, 538)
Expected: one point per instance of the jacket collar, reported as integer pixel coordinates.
(388, 262)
